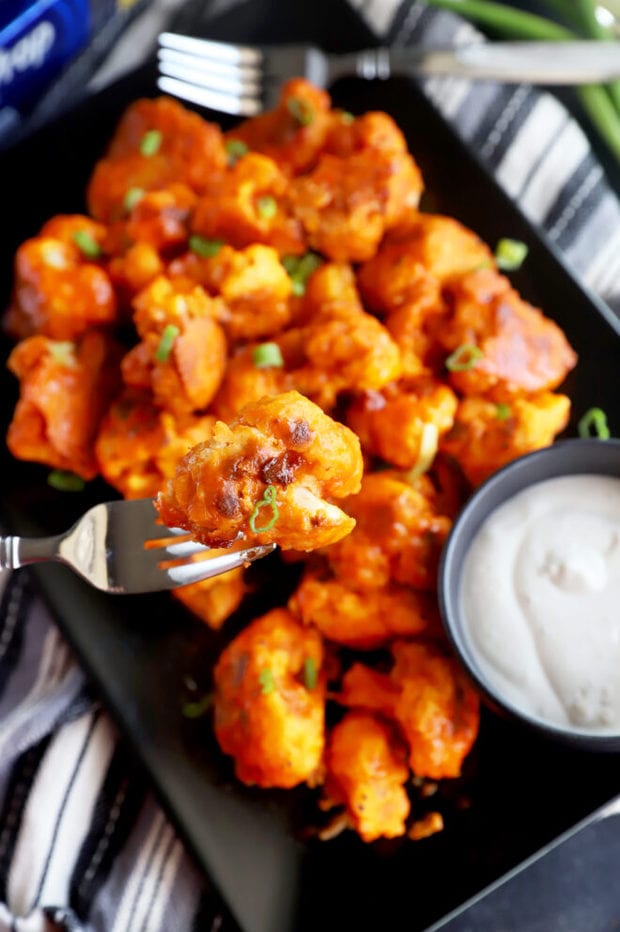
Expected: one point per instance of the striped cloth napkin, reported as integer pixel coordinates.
(83, 845)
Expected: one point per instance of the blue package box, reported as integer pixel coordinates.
(39, 39)
(36, 41)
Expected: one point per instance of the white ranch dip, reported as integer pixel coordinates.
(540, 599)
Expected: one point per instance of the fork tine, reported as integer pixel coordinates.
(187, 548)
(213, 100)
(207, 48)
(186, 573)
(207, 66)
(233, 83)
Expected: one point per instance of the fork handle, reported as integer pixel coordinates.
(559, 63)
(20, 551)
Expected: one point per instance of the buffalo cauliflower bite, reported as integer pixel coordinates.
(213, 600)
(267, 477)
(60, 288)
(269, 701)
(366, 770)
(351, 352)
(403, 422)
(65, 389)
(398, 535)
(246, 381)
(362, 619)
(251, 282)
(159, 218)
(486, 435)
(432, 247)
(497, 343)
(437, 709)
(345, 205)
(294, 132)
(138, 446)
(157, 143)
(182, 355)
(249, 207)
(428, 696)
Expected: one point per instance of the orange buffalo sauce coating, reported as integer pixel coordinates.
(65, 389)
(59, 289)
(267, 477)
(519, 349)
(398, 535)
(263, 329)
(270, 701)
(183, 148)
(427, 695)
(366, 770)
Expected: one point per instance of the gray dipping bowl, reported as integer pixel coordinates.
(563, 458)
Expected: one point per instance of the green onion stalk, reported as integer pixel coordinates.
(601, 103)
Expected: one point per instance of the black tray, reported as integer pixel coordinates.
(522, 792)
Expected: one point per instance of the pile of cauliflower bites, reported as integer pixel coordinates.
(261, 330)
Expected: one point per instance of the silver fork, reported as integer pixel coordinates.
(244, 80)
(119, 547)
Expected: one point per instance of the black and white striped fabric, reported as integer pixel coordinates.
(83, 844)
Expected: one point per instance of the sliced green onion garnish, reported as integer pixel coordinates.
(266, 207)
(265, 678)
(300, 110)
(510, 254)
(132, 197)
(429, 442)
(63, 352)
(150, 143)
(463, 358)
(169, 335)
(267, 501)
(300, 268)
(267, 355)
(311, 674)
(207, 248)
(502, 411)
(199, 707)
(86, 244)
(346, 117)
(594, 424)
(235, 148)
(65, 481)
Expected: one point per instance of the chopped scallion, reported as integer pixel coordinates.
(267, 501)
(206, 248)
(300, 268)
(65, 481)
(347, 118)
(502, 411)
(63, 352)
(199, 707)
(510, 254)
(301, 110)
(169, 335)
(594, 424)
(87, 244)
(311, 674)
(266, 207)
(265, 678)
(267, 355)
(132, 197)
(151, 143)
(463, 358)
(235, 148)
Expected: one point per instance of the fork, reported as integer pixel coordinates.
(244, 80)
(120, 548)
